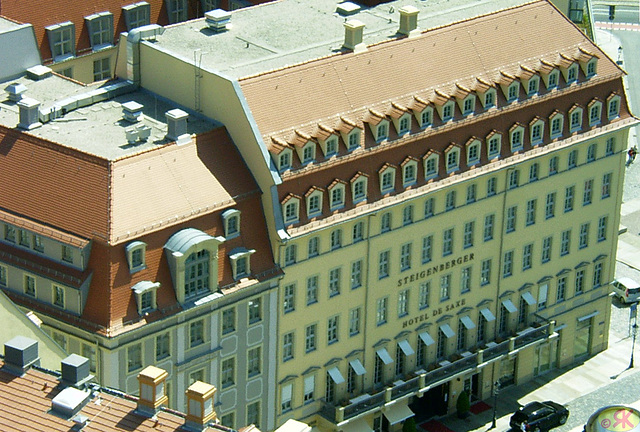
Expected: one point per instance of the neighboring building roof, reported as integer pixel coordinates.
(18, 49)
(286, 32)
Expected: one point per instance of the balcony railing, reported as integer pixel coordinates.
(439, 373)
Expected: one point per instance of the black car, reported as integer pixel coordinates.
(539, 416)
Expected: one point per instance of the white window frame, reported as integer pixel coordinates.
(291, 210)
(388, 173)
(432, 160)
(555, 133)
(452, 156)
(513, 91)
(403, 128)
(425, 117)
(447, 111)
(494, 139)
(536, 138)
(575, 116)
(359, 180)
(315, 196)
(533, 85)
(613, 106)
(235, 256)
(474, 148)
(62, 40)
(284, 159)
(516, 131)
(381, 130)
(552, 79)
(307, 153)
(330, 146)
(464, 105)
(231, 221)
(489, 94)
(407, 179)
(100, 27)
(595, 113)
(336, 196)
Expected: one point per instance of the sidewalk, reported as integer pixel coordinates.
(561, 386)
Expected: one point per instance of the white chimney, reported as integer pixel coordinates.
(353, 32)
(29, 114)
(409, 21)
(15, 91)
(217, 19)
(177, 126)
(132, 111)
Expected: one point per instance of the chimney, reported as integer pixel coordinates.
(29, 114)
(217, 20)
(132, 111)
(200, 405)
(20, 353)
(177, 126)
(151, 381)
(15, 91)
(75, 371)
(353, 31)
(409, 21)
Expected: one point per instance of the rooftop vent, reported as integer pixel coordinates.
(15, 91)
(177, 126)
(200, 405)
(217, 20)
(29, 113)
(75, 370)
(69, 402)
(409, 21)
(20, 353)
(348, 8)
(152, 389)
(39, 72)
(353, 31)
(132, 111)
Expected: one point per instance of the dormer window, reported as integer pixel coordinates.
(473, 152)
(595, 112)
(136, 256)
(452, 155)
(489, 99)
(494, 143)
(447, 111)
(308, 153)
(426, 117)
(240, 262)
(575, 119)
(387, 179)
(359, 188)
(353, 139)
(537, 132)
(468, 105)
(533, 85)
(67, 254)
(314, 202)
(409, 172)
(330, 146)
(290, 209)
(100, 28)
(572, 74)
(145, 292)
(284, 160)
(512, 91)
(591, 67)
(403, 124)
(62, 40)
(557, 121)
(517, 138)
(231, 221)
(431, 164)
(382, 131)
(613, 106)
(552, 80)
(336, 195)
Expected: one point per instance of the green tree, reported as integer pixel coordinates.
(462, 404)
(409, 425)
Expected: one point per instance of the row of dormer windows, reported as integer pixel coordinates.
(29, 240)
(430, 115)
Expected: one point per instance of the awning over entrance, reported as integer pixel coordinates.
(357, 367)
(336, 376)
(486, 313)
(586, 317)
(426, 338)
(447, 330)
(357, 426)
(397, 413)
(509, 306)
(384, 356)
(529, 298)
(466, 321)
(406, 348)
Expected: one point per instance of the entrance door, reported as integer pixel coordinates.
(432, 403)
(471, 387)
(583, 338)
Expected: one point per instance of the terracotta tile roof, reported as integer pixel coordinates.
(26, 405)
(43, 230)
(351, 85)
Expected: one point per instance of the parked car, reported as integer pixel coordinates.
(539, 416)
(626, 289)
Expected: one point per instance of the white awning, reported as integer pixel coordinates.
(336, 376)
(529, 298)
(357, 367)
(447, 330)
(357, 426)
(384, 356)
(466, 321)
(509, 306)
(397, 413)
(426, 338)
(542, 293)
(586, 317)
(486, 313)
(406, 348)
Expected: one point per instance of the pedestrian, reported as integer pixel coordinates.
(635, 153)
(632, 156)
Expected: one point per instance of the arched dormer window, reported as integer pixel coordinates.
(473, 151)
(352, 139)
(193, 261)
(533, 85)
(240, 259)
(468, 104)
(136, 256)
(452, 158)
(446, 111)
(314, 199)
(516, 136)
(494, 144)
(409, 172)
(231, 221)
(359, 184)
(431, 165)
(489, 98)
(570, 72)
(536, 131)
(145, 292)
(590, 67)
(379, 126)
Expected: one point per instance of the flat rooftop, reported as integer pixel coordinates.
(90, 118)
(286, 32)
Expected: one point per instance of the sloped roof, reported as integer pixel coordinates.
(350, 85)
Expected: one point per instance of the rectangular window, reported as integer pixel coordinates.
(514, 179)
(606, 185)
(288, 303)
(597, 275)
(491, 186)
(10, 233)
(407, 215)
(336, 239)
(550, 206)
(134, 357)
(285, 397)
(163, 347)
(310, 338)
(332, 330)
(587, 196)
(356, 274)
(583, 240)
(425, 290)
(591, 152)
(354, 322)
(468, 235)
(471, 193)
(572, 162)
(228, 374)
(312, 290)
(334, 282)
(546, 249)
(253, 362)
(569, 194)
(427, 249)
(383, 264)
(177, 10)
(358, 232)
(100, 28)
(381, 311)
(531, 212)
(38, 245)
(511, 219)
(309, 388)
(137, 15)
(507, 265)
(445, 287)
(562, 290)
(255, 310)
(313, 247)
(3, 275)
(228, 320)
(405, 257)
(428, 207)
(196, 333)
(579, 281)
(565, 243)
(290, 254)
(385, 222)
(553, 165)
(23, 239)
(403, 303)
(527, 253)
(610, 146)
(488, 227)
(465, 279)
(533, 172)
(61, 40)
(58, 296)
(253, 414)
(287, 346)
(102, 69)
(450, 201)
(485, 272)
(30, 285)
(447, 242)
(602, 228)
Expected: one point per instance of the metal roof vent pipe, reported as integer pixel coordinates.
(75, 371)
(353, 33)
(217, 20)
(177, 126)
(29, 113)
(20, 353)
(15, 91)
(409, 21)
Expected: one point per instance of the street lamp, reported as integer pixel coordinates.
(496, 390)
(634, 330)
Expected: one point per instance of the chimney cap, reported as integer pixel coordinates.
(20, 353)
(409, 10)
(348, 8)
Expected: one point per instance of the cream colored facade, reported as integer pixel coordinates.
(87, 68)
